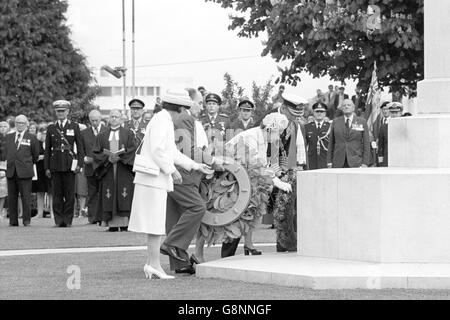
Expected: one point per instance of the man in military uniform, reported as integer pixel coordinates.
(317, 138)
(137, 124)
(245, 120)
(216, 124)
(63, 158)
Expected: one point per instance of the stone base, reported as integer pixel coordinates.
(290, 269)
(432, 94)
(379, 215)
(420, 141)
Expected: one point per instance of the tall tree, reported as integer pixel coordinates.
(38, 62)
(339, 38)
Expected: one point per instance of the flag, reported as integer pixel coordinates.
(373, 101)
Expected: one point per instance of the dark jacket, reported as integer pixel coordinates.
(88, 138)
(352, 144)
(317, 156)
(58, 158)
(383, 144)
(20, 160)
(138, 132)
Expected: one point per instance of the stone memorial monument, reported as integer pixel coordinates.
(379, 227)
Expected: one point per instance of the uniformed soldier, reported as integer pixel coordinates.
(137, 124)
(215, 123)
(317, 137)
(245, 120)
(63, 158)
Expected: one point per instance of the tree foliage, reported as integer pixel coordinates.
(331, 37)
(38, 62)
(233, 93)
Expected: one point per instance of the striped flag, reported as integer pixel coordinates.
(373, 100)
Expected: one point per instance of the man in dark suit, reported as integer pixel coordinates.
(185, 206)
(137, 124)
(61, 162)
(317, 138)
(22, 151)
(88, 137)
(245, 120)
(349, 145)
(375, 134)
(395, 111)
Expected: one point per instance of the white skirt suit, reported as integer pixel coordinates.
(148, 211)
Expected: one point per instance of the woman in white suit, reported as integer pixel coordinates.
(148, 212)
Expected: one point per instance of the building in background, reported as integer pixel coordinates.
(147, 90)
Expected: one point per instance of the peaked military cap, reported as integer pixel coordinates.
(213, 97)
(136, 104)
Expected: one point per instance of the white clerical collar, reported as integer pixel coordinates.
(114, 132)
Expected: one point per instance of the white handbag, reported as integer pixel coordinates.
(144, 164)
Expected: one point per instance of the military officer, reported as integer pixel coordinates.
(317, 137)
(245, 120)
(216, 124)
(63, 158)
(137, 124)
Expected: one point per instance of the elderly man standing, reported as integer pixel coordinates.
(22, 151)
(62, 162)
(88, 136)
(114, 153)
(349, 145)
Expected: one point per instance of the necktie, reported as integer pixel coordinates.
(347, 123)
(18, 141)
(61, 125)
(95, 131)
(318, 126)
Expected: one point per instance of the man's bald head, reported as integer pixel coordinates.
(21, 122)
(94, 118)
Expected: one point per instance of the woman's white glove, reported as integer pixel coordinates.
(286, 187)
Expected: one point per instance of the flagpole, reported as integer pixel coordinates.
(124, 59)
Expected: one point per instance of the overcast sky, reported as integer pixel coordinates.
(173, 31)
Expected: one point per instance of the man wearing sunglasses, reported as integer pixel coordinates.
(317, 137)
(62, 159)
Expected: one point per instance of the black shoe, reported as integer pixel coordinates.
(172, 252)
(193, 260)
(124, 229)
(253, 252)
(113, 229)
(187, 269)
(46, 214)
(13, 224)
(281, 248)
(26, 224)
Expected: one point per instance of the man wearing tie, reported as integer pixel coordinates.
(88, 137)
(62, 162)
(349, 145)
(137, 124)
(317, 138)
(22, 151)
(245, 120)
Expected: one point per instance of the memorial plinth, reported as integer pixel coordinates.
(376, 228)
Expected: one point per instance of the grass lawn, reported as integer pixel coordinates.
(119, 275)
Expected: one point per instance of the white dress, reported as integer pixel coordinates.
(148, 210)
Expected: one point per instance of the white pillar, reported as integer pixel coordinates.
(433, 92)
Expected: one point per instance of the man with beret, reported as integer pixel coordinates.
(395, 111)
(63, 158)
(317, 138)
(215, 123)
(245, 120)
(349, 145)
(137, 124)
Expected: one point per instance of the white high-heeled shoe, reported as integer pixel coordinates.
(150, 271)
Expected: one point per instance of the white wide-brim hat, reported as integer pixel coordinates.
(178, 97)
